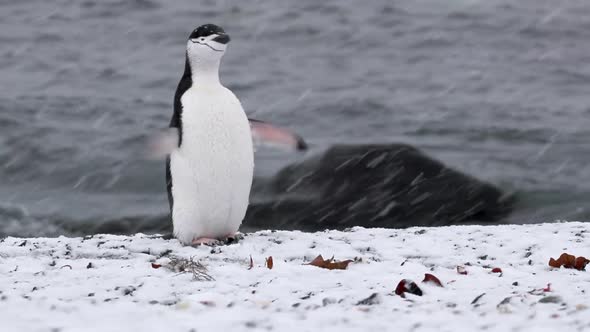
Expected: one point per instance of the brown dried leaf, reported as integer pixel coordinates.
(432, 279)
(251, 263)
(407, 286)
(269, 263)
(581, 263)
(156, 266)
(569, 262)
(330, 264)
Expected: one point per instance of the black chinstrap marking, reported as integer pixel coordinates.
(211, 47)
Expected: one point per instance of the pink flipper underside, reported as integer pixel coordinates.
(263, 132)
(162, 144)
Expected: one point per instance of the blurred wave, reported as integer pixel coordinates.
(496, 89)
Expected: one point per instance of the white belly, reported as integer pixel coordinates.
(213, 168)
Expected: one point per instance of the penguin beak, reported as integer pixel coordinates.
(222, 39)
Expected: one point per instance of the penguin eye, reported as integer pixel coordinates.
(202, 39)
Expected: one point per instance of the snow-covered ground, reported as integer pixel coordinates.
(108, 283)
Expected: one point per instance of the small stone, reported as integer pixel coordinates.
(550, 299)
(129, 290)
(169, 302)
(477, 298)
(307, 296)
(207, 303)
(371, 300)
(328, 300)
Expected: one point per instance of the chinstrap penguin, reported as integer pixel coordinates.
(209, 146)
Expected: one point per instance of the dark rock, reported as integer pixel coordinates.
(387, 185)
(390, 185)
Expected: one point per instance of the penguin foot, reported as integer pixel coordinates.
(233, 238)
(205, 241)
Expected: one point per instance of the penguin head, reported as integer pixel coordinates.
(207, 43)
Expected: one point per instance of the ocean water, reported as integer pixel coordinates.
(497, 89)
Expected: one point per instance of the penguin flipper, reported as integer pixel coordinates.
(162, 144)
(263, 132)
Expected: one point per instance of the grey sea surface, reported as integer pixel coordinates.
(497, 89)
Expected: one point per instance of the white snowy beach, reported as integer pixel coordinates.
(116, 283)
